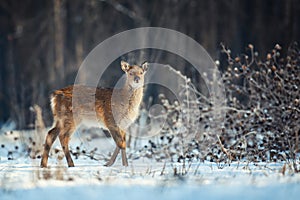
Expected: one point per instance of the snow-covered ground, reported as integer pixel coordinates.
(22, 178)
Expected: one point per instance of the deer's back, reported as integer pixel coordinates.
(112, 107)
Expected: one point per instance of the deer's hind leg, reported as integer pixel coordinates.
(51, 137)
(64, 138)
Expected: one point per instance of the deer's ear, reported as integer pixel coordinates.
(145, 66)
(124, 66)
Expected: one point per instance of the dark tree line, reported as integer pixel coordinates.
(42, 43)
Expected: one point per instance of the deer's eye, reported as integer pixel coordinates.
(141, 73)
(130, 73)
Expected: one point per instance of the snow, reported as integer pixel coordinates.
(22, 178)
(155, 192)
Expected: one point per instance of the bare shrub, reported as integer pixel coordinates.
(262, 114)
(265, 94)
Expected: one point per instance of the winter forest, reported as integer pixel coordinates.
(187, 141)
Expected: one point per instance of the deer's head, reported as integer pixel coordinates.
(135, 74)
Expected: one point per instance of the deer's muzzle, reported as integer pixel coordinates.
(136, 79)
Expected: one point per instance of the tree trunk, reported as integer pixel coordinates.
(59, 39)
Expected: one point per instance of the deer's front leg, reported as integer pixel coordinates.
(120, 140)
(113, 157)
(122, 145)
(124, 158)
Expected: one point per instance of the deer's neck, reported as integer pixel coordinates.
(134, 96)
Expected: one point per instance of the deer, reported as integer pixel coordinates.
(116, 109)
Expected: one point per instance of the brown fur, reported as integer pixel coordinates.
(116, 109)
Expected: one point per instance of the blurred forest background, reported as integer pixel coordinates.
(42, 43)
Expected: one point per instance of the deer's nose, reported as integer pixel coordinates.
(136, 79)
